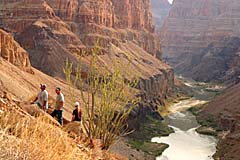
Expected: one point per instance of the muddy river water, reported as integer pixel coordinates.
(185, 143)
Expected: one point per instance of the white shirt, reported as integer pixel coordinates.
(59, 99)
(43, 96)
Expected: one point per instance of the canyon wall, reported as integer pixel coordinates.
(223, 111)
(11, 51)
(220, 63)
(194, 26)
(53, 30)
(109, 21)
(160, 10)
(79, 24)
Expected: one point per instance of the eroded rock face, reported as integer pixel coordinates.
(217, 63)
(109, 22)
(192, 25)
(225, 111)
(134, 14)
(160, 10)
(60, 29)
(48, 40)
(11, 51)
(17, 15)
(90, 21)
(49, 50)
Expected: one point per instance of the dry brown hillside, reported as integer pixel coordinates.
(24, 86)
(24, 136)
(226, 110)
(18, 78)
(51, 31)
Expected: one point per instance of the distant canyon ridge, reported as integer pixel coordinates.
(43, 34)
(52, 30)
(160, 10)
(200, 39)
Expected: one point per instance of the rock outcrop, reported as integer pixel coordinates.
(17, 15)
(133, 14)
(109, 22)
(54, 30)
(50, 43)
(160, 10)
(89, 21)
(47, 39)
(221, 64)
(192, 25)
(11, 51)
(225, 111)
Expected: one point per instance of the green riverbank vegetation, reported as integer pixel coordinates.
(209, 125)
(141, 140)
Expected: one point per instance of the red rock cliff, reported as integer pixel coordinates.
(224, 110)
(109, 21)
(195, 25)
(11, 51)
(88, 19)
(160, 10)
(52, 30)
(135, 14)
(16, 15)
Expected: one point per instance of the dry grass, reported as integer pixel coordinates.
(27, 138)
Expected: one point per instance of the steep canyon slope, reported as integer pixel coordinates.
(19, 79)
(12, 52)
(160, 10)
(198, 35)
(225, 111)
(53, 30)
(200, 38)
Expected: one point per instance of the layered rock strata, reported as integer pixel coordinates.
(54, 30)
(90, 21)
(224, 111)
(160, 10)
(11, 51)
(192, 25)
(221, 63)
(110, 22)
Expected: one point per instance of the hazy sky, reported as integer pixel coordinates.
(170, 1)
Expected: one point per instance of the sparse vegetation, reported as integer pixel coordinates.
(209, 125)
(207, 131)
(141, 140)
(151, 148)
(152, 128)
(23, 137)
(105, 96)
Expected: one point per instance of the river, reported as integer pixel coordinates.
(185, 143)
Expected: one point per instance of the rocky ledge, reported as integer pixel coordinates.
(199, 32)
(223, 115)
(11, 51)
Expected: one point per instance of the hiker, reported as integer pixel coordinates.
(42, 98)
(77, 112)
(59, 105)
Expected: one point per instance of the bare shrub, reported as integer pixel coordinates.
(105, 96)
